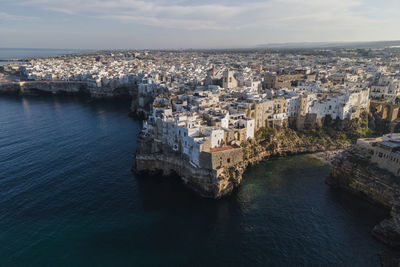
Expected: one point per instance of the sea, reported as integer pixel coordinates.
(23, 53)
(68, 198)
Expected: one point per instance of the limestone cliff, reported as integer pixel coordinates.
(65, 88)
(142, 101)
(353, 171)
(287, 142)
(217, 182)
(9, 88)
(158, 159)
(205, 182)
(388, 231)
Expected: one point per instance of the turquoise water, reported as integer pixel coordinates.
(68, 198)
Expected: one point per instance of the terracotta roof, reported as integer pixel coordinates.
(224, 148)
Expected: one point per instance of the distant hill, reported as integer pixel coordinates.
(376, 44)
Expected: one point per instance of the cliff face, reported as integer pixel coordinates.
(142, 101)
(9, 88)
(215, 183)
(285, 143)
(353, 172)
(388, 231)
(205, 182)
(33, 88)
(156, 159)
(62, 87)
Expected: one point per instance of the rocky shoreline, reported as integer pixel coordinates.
(216, 183)
(352, 171)
(328, 156)
(33, 88)
(204, 182)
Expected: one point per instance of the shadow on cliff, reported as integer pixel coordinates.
(351, 203)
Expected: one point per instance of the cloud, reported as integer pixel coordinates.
(9, 17)
(187, 24)
(220, 15)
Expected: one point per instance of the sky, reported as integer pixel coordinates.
(166, 24)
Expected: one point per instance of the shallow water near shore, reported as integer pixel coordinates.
(68, 198)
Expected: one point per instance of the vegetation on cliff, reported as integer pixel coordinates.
(275, 142)
(330, 132)
(367, 126)
(329, 135)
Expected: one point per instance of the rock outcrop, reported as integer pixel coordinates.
(65, 88)
(353, 171)
(9, 88)
(207, 183)
(216, 183)
(142, 100)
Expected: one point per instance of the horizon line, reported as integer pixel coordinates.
(257, 46)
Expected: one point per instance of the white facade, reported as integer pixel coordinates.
(249, 125)
(292, 106)
(341, 106)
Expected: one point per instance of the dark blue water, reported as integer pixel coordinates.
(68, 198)
(21, 53)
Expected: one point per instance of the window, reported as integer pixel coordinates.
(228, 160)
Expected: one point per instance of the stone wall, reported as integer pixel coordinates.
(226, 159)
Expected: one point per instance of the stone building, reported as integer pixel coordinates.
(229, 80)
(383, 151)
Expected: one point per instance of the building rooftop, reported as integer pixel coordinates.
(224, 148)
